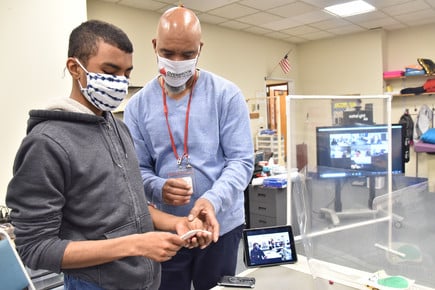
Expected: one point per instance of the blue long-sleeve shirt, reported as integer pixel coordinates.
(219, 144)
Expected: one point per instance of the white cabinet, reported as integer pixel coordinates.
(270, 143)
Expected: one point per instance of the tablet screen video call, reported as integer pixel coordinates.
(269, 246)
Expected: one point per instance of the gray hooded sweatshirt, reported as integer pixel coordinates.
(76, 177)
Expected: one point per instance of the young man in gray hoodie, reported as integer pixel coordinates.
(77, 198)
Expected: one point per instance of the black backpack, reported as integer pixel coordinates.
(408, 131)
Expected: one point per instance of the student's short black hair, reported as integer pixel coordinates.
(83, 41)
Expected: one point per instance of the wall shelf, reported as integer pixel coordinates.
(413, 95)
(394, 85)
(410, 76)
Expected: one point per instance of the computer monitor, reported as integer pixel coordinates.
(358, 151)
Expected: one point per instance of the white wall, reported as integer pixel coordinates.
(33, 56)
(406, 45)
(350, 64)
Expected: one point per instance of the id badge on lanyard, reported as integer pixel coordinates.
(185, 173)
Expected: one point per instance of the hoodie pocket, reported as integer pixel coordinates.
(142, 224)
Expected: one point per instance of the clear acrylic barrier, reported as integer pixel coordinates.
(368, 220)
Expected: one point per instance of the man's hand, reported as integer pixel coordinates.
(200, 239)
(203, 211)
(176, 191)
(158, 246)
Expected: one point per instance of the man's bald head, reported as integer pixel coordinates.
(179, 20)
(178, 26)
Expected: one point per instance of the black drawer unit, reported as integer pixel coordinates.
(267, 206)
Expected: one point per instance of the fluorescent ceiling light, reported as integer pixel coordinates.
(350, 8)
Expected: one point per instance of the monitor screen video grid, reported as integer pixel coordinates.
(358, 150)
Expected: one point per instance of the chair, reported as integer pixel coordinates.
(13, 274)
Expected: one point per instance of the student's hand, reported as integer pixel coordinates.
(176, 191)
(158, 246)
(199, 239)
(204, 211)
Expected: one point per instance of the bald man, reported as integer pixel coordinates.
(192, 135)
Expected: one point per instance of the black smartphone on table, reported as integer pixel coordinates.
(233, 281)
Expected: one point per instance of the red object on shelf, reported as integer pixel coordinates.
(393, 74)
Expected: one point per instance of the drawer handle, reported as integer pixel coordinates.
(261, 208)
(261, 195)
(262, 221)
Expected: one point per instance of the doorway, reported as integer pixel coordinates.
(276, 93)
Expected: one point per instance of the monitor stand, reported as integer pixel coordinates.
(372, 193)
(335, 214)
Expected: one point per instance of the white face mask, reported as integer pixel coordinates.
(104, 91)
(176, 73)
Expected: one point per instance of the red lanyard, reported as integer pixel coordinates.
(186, 126)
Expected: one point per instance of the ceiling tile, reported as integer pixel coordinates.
(295, 39)
(293, 9)
(212, 19)
(419, 17)
(431, 2)
(147, 5)
(406, 8)
(322, 3)
(281, 24)
(313, 16)
(385, 3)
(205, 6)
(235, 24)
(317, 35)
(257, 30)
(300, 30)
(233, 11)
(383, 22)
(330, 23)
(265, 5)
(172, 2)
(375, 15)
(259, 18)
(346, 29)
(278, 35)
